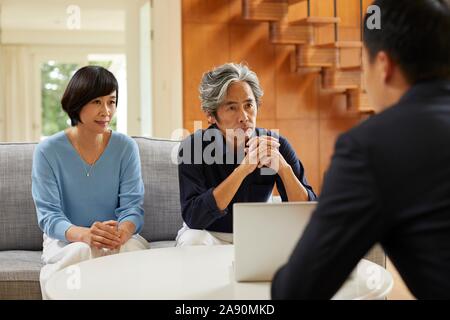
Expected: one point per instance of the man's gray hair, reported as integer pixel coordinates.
(214, 85)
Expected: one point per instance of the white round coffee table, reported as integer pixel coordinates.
(197, 272)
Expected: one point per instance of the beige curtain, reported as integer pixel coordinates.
(2, 110)
(19, 106)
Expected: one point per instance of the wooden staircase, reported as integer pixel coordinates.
(338, 62)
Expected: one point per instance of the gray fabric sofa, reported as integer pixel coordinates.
(21, 238)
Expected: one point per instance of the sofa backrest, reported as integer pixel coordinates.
(162, 190)
(18, 223)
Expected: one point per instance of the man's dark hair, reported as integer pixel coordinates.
(415, 34)
(87, 84)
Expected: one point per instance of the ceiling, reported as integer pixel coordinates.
(99, 15)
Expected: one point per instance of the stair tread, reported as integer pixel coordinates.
(341, 44)
(350, 68)
(316, 20)
(316, 65)
(281, 40)
(334, 90)
(335, 78)
(359, 91)
(344, 69)
(343, 88)
(366, 110)
(283, 33)
(309, 69)
(264, 11)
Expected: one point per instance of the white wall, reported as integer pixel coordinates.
(165, 83)
(145, 61)
(167, 68)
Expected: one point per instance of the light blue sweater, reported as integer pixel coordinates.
(65, 196)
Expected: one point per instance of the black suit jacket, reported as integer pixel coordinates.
(388, 182)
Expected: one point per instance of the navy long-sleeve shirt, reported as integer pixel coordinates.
(205, 162)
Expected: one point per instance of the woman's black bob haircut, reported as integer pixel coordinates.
(87, 83)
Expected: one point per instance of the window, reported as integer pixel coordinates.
(55, 77)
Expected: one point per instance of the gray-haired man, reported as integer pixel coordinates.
(232, 160)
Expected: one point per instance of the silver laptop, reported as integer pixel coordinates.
(264, 236)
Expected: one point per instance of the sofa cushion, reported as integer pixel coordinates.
(162, 244)
(162, 194)
(19, 274)
(20, 265)
(18, 223)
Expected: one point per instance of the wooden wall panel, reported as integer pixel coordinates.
(328, 133)
(322, 8)
(296, 95)
(248, 44)
(297, 10)
(205, 11)
(204, 46)
(303, 135)
(332, 106)
(268, 124)
(236, 13)
(214, 33)
(350, 13)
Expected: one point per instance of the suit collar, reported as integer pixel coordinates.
(425, 89)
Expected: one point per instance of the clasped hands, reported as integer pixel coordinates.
(263, 152)
(108, 234)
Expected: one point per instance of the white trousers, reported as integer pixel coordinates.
(194, 237)
(57, 255)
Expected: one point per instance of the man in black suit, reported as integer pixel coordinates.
(389, 178)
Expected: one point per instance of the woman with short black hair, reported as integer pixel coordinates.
(86, 180)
